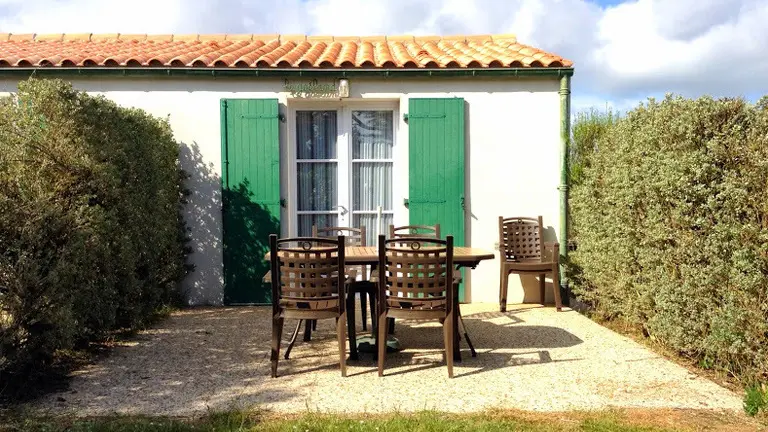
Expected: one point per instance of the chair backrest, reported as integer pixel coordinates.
(520, 238)
(414, 231)
(307, 273)
(416, 274)
(353, 236)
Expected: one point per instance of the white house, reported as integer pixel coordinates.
(280, 132)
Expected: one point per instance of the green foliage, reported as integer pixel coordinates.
(90, 225)
(588, 128)
(755, 399)
(671, 220)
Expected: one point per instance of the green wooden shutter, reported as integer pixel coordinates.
(436, 165)
(250, 195)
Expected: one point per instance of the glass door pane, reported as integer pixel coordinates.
(372, 144)
(316, 169)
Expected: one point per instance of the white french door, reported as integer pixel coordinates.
(344, 168)
(317, 169)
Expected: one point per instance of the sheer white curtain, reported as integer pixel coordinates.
(316, 136)
(372, 142)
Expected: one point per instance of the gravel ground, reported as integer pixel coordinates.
(529, 358)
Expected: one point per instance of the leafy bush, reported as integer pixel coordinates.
(588, 128)
(91, 234)
(671, 218)
(756, 399)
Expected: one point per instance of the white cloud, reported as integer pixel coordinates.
(623, 53)
(83, 16)
(639, 50)
(679, 20)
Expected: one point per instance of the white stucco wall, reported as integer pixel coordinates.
(513, 142)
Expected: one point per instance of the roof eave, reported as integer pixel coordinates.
(554, 72)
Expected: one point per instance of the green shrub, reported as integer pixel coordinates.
(755, 399)
(588, 128)
(670, 215)
(90, 226)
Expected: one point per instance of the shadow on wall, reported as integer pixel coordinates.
(530, 283)
(248, 225)
(204, 285)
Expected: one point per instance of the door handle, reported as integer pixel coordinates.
(463, 205)
(343, 209)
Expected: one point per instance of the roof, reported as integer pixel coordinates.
(271, 51)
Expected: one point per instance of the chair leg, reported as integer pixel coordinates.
(277, 334)
(342, 336)
(448, 340)
(556, 287)
(503, 290)
(391, 325)
(542, 284)
(293, 339)
(364, 309)
(381, 341)
(314, 325)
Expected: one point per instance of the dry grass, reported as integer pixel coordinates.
(634, 420)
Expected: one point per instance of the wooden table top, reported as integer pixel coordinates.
(461, 254)
(465, 256)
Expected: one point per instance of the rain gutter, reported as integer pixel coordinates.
(565, 135)
(185, 72)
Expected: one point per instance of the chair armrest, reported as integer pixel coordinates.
(551, 252)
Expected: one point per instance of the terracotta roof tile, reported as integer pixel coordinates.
(21, 37)
(271, 51)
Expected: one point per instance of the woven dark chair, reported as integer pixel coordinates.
(353, 237)
(410, 231)
(431, 231)
(366, 288)
(416, 282)
(523, 252)
(308, 283)
(414, 231)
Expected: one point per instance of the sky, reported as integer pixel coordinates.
(624, 51)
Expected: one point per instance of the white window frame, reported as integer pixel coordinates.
(343, 154)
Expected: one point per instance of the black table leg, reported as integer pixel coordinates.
(293, 339)
(456, 337)
(455, 324)
(307, 330)
(466, 336)
(351, 326)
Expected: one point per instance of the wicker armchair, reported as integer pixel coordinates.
(366, 288)
(523, 252)
(430, 231)
(414, 231)
(416, 282)
(308, 283)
